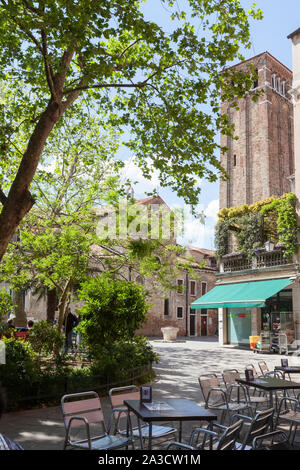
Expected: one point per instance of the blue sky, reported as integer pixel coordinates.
(270, 34)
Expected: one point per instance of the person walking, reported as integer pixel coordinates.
(70, 322)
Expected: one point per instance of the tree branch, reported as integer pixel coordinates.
(3, 197)
(48, 69)
(128, 47)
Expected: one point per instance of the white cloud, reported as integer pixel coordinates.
(212, 209)
(140, 184)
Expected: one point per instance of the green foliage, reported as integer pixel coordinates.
(6, 304)
(251, 234)
(45, 340)
(21, 371)
(287, 226)
(116, 358)
(114, 309)
(30, 381)
(153, 80)
(272, 218)
(222, 237)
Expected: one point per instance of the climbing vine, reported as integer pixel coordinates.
(252, 225)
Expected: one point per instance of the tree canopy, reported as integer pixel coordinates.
(152, 81)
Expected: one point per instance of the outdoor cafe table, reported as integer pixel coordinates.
(288, 369)
(171, 409)
(270, 385)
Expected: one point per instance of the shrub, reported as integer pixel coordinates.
(21, 371)
(118, 358)
(45, 339)
(114, 309)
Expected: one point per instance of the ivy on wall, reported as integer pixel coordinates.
(273, 218)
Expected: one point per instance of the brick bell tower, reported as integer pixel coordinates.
(261, 162)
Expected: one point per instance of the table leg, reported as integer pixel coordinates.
(150, 436)
(140, 433)
(271, 406)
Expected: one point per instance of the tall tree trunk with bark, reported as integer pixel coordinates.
(19, 201)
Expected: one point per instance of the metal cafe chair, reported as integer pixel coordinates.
(230, 376)
(212, 440)
(260, 424)
(276, 440)
(289, 415)
(83, 410)
(117, 396)
(218, 399)
(263, 367)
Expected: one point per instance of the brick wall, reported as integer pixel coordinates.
(261, 160)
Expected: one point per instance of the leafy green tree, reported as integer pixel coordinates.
(113, 310)
(54, 247)
(141, 76)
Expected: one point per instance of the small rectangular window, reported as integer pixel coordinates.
(193, 287)
(203, 288)
(179, 312)
(273, 81)
(166, 307)
(234, 160)
(278, 84)
(180, 286)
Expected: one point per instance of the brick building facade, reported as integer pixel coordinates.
(261, 162)
(173, 308)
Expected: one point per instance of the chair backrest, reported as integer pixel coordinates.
(207, 382)
(251, 367)
(84, 405)
(230, 436)
(263, 367)
(276, 440)
(230, 376)
(259, 425)
(276, 374)
(119, 394)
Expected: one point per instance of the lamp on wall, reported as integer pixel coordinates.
(269, 245)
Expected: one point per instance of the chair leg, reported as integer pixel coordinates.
(294, 434)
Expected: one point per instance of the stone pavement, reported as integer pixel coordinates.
(177, 376)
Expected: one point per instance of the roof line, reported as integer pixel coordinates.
(258, 55)
(290, 36)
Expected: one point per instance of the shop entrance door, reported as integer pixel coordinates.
(203, 325)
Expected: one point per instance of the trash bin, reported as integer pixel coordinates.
(170, 333)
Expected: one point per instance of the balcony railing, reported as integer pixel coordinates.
(261, 259)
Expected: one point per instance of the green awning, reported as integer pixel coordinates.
(244, 294)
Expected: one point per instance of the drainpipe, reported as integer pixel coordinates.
(187, 316)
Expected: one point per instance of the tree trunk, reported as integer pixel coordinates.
(62, 304)
(19, 311)
(19, 200)
(51, 305)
